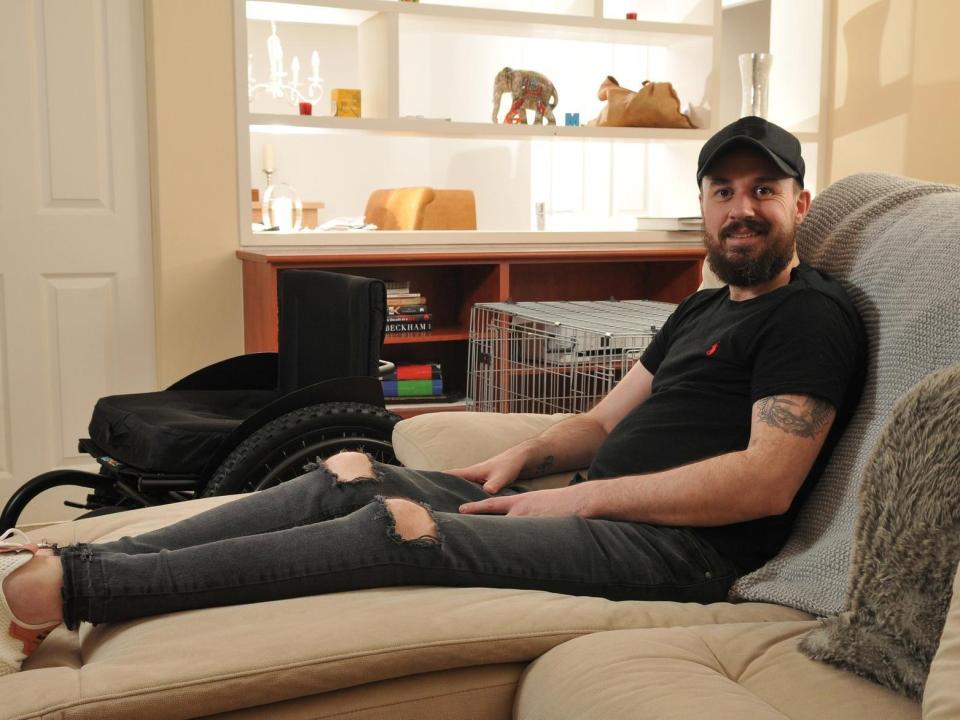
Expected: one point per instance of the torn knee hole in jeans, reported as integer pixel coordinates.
(367, 474)
(417, 527)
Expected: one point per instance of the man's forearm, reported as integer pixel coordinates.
(570, 444)
(720, 490)
(759, 481)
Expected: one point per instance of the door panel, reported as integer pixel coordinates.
(76, 278)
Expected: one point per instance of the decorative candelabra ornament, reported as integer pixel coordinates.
(277, 86)
(755, 83)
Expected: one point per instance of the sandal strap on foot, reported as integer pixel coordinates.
(18, 639)
(15, 541)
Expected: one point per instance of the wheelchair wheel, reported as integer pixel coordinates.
(280, 449)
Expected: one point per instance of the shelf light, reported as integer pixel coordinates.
(289, 12)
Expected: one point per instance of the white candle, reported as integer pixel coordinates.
(268, 158)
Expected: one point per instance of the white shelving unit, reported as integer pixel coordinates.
(423, 127)
(425, 71)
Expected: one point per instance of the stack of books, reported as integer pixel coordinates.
(413, 381)
(407, 310)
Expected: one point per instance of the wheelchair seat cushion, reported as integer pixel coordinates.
(172, 431)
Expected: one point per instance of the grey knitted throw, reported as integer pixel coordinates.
(893, 243)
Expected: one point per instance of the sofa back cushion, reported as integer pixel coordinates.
(891, 242)
(444, 440)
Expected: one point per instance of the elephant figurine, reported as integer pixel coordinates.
(530, 91)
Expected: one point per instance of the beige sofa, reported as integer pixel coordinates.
(494, 654)
(717, 669)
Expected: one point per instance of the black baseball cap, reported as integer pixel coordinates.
(751, 131)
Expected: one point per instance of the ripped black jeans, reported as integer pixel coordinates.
(316, 535)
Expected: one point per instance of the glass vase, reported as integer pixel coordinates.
(755, 83)
(282, 208)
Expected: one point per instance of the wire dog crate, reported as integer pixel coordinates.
(548, 357)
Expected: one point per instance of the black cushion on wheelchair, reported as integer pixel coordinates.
(172, 431)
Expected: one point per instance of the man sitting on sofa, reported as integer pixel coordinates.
(697, 460)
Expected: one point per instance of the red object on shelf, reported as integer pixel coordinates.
(631, 16)
(306, 108)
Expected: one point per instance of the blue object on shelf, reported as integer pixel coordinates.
(572, 119)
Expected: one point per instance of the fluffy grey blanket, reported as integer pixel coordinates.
(907, 544)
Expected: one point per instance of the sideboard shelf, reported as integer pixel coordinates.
(453, 282)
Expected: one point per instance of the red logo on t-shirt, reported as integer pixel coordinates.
(712, 350)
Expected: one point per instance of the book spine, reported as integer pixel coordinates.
(412, 388)
(412, 317)
(405, 327)
(418, 372)
(410, 309)
(396, 286)
(415, 372)
(410, 299)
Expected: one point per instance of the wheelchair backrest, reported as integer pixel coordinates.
(331, 325)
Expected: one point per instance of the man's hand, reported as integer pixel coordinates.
(493, 474)
(558, 502)
(567, 445)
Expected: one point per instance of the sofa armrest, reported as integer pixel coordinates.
(941, 697)
(437, 441)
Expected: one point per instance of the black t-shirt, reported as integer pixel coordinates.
(712, 360)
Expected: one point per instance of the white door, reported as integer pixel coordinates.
(76, 282)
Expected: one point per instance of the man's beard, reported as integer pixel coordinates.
(754, 266)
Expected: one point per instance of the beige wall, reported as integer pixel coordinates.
(193, 165)
(896, 88)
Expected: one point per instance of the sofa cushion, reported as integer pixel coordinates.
(476, 693)
(892, 244)
(907, 544)
(224, 659)
(438, 441)
(727, 671)
(941, 697)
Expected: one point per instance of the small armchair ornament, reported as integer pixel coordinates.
(530, 91)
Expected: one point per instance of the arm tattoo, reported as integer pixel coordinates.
(545, 465)
(803, 418)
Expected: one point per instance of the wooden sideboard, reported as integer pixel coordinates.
(453, 281)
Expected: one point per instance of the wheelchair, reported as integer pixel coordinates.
(249, 422)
